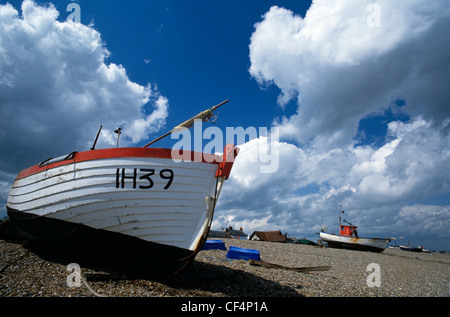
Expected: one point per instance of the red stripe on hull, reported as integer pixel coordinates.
(125, 152)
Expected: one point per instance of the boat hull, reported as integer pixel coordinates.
(135, 205)
(411, 249)
(87, 246)
(363, 244)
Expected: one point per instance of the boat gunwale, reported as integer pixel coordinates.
(365, 238)
(131, 152)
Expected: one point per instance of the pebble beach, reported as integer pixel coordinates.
(28, 272)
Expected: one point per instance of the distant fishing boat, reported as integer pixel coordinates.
(411, 249)
(137, 207)
(355, 243)
(348, 239)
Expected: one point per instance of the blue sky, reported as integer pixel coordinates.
(197, 53)
(358, 90)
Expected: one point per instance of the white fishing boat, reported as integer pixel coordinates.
(348, 239)
(411, 249)
(355, 243)
(144, 208)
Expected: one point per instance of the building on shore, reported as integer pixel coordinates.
(272, 236)
(229, 233)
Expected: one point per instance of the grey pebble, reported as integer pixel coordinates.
(402, 274)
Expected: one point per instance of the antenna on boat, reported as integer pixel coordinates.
(204, 116)
(96, 138)
(341, 211)
(347, 222)
(118, 131)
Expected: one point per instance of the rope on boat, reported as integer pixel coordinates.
(89, 287)
(78, 276)
(3, 222)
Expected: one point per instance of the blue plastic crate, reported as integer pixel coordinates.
(214, 245)
(243, 254)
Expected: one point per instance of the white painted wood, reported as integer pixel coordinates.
(378, 243)
(86, 193)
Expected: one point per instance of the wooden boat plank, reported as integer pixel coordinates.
(46, 179)
(121, 193)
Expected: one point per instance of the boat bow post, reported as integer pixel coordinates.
(222, 174)
(134, 207)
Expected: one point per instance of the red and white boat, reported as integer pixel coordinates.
(355, 243)
(138, 207)
(348, 239)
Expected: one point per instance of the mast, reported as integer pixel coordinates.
(204, 116)
(95, 142)
(119, 132)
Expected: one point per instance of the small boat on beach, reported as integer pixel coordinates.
(348, 239)
(411, 249)
(142, 208)
(355, 243)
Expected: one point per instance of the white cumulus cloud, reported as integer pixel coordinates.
(57, 87)
(343, 62)
(341, 68)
